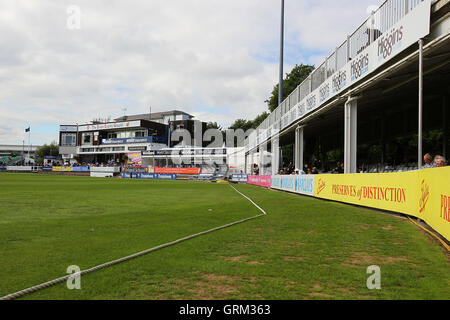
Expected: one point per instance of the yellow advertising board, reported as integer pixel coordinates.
(433, 199)
(62, 169)
(423, 193)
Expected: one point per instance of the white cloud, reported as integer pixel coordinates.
(163, 54)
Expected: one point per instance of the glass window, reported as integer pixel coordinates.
(87, 138)
(68, 139)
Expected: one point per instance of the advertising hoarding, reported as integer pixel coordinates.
(177, 170)
(302, 184)
(421, 193)
(262, 181)
(239, 178)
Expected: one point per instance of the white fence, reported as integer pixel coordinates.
(104, 172)
(23, 168)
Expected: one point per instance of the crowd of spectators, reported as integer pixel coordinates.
(97, 164)
(439, 161)
(60, 163)
(289, 169)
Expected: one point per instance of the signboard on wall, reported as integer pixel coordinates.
(186, 152)
(156, 139)
(114, 125)
(302, 184)
(68, 128)
(134, 158)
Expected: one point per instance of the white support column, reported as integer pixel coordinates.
(420, 133)
(299, 147)
(262, 152)
(350, 135)
(249, 168)
(246, 163)
(275, 154)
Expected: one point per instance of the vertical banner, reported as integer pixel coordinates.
(134, 158)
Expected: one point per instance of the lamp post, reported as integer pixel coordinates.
(420, 136)
(280, 86)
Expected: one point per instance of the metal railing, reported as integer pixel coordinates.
(379, 21)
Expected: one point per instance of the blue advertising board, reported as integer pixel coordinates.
(152, 176)
(166, 176)
(156, 139)
(81, 169)
(303, 184)
(2, 168)
(239, 178)
(47, 168)
(205, 176)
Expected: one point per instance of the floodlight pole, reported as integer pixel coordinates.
(419, 142)
(280, 86)
(29, 142)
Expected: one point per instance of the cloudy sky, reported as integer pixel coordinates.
(217, 60)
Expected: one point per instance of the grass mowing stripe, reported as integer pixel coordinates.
(132, 256)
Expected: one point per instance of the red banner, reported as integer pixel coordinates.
(262, 181)
(177, 170)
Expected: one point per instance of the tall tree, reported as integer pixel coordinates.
(241, 124)
(249, 124)
(297, 75)
(213, 125)
(259, 119)
(51, 149)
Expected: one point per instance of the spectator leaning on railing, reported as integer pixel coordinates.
(439, 161)
(428, 159)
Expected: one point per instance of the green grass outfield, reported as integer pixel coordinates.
(303, 249)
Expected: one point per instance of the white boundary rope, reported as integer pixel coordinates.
(141, 253)
(259, 208)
